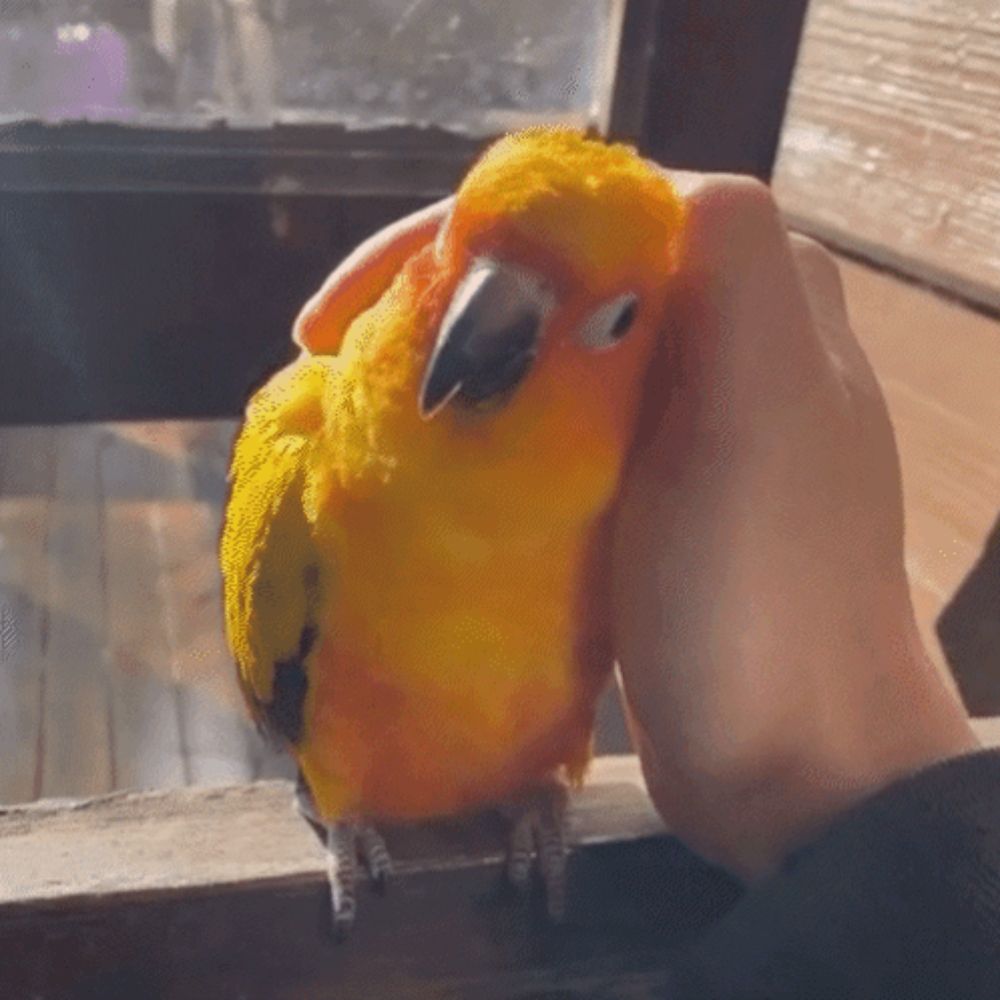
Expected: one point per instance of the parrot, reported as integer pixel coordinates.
(416, 539)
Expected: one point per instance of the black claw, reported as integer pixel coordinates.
(342, 929)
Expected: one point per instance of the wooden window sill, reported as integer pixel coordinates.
(221, 892)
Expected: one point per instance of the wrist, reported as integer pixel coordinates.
(747, 798)
(909, 720)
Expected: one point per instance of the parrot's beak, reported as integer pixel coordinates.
(488, 338)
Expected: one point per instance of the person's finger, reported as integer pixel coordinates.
(745, 343)
(728, 217)
(359, 281)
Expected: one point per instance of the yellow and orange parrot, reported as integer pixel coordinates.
(415, 539)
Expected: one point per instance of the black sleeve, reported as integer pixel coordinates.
(899, 899)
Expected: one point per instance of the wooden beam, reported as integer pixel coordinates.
(721, 71)
(221, 892)
(624, 97)
(285, 161)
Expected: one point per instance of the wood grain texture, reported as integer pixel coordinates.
(172, 840)
(26, 470)
(220, 746)
(939, 366)
(114, 672)
(892, 137)
(220, 892)
(174, 473)
(76, 748)
(145, 709)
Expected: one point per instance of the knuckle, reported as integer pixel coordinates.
(730, 218)
(734, 198)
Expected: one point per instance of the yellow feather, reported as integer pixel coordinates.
(267, 547)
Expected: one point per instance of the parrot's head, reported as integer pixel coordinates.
(558, 254)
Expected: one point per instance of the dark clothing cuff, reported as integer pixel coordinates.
(900, 898)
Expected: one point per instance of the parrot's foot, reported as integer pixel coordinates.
(538, 827)
(346, 841)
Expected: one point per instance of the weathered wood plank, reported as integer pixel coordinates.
(136, 512)
(145, 711)
(220, 892)
(21, 685)
(219, 743)
(188, 838)
(25, 487)
(892, 137)
(76, 740)
(176, 471)
(20, 733)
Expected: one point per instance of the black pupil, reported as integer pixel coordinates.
(623, 322)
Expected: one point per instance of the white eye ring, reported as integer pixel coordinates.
(610, 323)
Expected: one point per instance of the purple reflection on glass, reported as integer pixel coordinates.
(88, 74)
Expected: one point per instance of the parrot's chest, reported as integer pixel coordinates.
(448, 675)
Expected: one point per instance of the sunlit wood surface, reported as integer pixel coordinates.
(939, 365)
(114, 672)
(891, 138)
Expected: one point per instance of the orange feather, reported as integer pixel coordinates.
(461, 614)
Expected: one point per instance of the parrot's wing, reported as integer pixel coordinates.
(270, 564)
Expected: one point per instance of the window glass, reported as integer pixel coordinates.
(473, 66)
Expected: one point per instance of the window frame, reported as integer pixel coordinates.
(230, 897)
(653, 68)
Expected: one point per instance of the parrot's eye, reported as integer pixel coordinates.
(609, 323)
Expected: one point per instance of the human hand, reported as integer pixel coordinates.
(767, 646)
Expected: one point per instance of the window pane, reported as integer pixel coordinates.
(467, 64)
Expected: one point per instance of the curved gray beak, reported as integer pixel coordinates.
(488, 338)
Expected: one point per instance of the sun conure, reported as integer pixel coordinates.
(415, 539)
